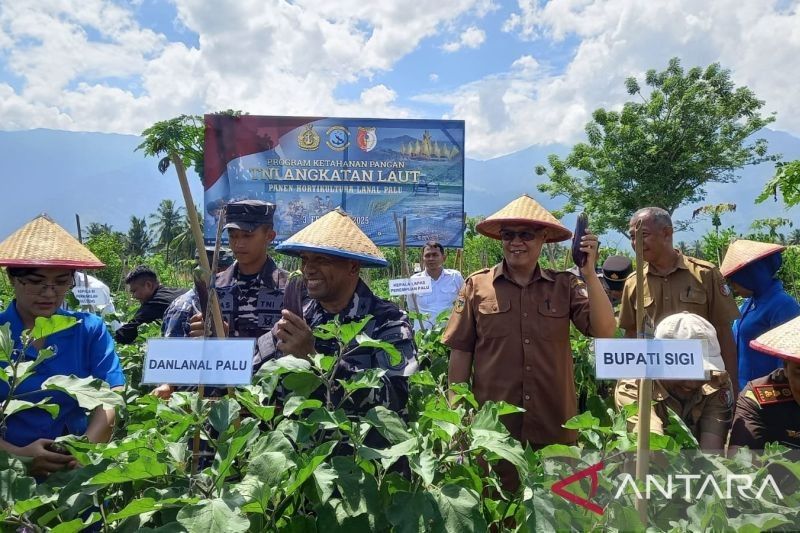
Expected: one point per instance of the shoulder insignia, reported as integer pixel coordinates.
(724, 289)
(725, 397)
(699, 262)
(481, 271)
(793, 434)
(459, 305)
(749, 394)
(772, 393)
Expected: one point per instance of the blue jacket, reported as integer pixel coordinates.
(83, 350)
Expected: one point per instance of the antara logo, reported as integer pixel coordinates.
(688, 486)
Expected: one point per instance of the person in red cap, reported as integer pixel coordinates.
(768, 409)
(41, 258)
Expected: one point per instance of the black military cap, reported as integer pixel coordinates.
(247, 215)
(615, 269)
(224, 260)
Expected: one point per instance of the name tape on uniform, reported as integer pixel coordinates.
(199, 361)
(88, 295)
(649, 358)
(399, 287)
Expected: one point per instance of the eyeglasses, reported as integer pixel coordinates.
(35, 288)
(508, 235)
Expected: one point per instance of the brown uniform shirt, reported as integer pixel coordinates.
(695, 286)
(766, 411)
(519, 338)
(709, 410)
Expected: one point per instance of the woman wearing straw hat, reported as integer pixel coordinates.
(768, 409)
(41, 259)
(750, 267)
(509, 330)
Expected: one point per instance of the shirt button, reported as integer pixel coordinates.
(527, 341)
(524, 314)
(494, 308)
(528, 368)
(527, 396)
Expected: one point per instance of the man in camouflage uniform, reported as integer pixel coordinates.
(250, 291)
(768, 409)
(331, 269)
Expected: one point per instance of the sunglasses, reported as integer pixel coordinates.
(508, 235)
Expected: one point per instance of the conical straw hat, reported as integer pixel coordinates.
(43, 243)
(524, 210)
(782, 341)
(743, 252)
(335, 234)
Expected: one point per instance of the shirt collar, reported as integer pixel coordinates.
(680, 262)
(538, 272)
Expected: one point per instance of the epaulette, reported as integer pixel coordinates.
(699, 262)
(481, 271)
(772, 393)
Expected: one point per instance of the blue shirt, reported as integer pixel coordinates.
(86, 349)
(761, 313)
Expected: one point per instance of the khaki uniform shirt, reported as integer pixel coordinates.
(695, 286)
(766, 411)
(519, 338)
(710, 410)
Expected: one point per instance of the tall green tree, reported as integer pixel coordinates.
(785, 182)
(139, 240)
(166, 224)
(96, 228)
(685, 130)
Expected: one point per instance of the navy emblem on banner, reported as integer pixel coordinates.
(308, 138)
(338, 138)
(367, 139)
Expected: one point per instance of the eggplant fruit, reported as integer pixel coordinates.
(580, 230)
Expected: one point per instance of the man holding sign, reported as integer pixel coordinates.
(445, 284)
(509, 331)
(704, 406)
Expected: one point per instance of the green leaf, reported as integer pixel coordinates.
(395, 358)
(368, 379)
(302, 383)
(6, 343)
(359, 491)
(490, 434)
(309, 464)
(324, 482)
(411, 512)
(270, 467)
(223, 413)
(388, 423)
(16, 406)
(229, 450)
(459, 509)
(146, 505)
(45, 326)
(212, 516)
(252, 403)
(424, 464)
(298, 404)
(585, 420)
(388, 456)
(349, 331)
(756, 523)
(15, 487)
(144, 467)
(88, 392)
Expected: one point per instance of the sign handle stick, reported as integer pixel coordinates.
(401, 234)
(645, 385)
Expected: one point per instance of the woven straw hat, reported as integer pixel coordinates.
(743, 252)
(43, 243)
(524, 210)
(335, 234)
(782, 341)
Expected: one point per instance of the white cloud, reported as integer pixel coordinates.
(532, 103)
(433, 77)
(89, 65)
(472, 37)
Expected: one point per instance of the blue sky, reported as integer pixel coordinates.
(520, 73)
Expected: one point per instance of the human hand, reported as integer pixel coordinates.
(163, 391)
(293, 335)
(590, 245)
(197, 326)
(46, 459)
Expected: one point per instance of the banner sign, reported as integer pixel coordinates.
(649, 359)
(198, 361)
(402, 286)
(372, 168)
(88, 295)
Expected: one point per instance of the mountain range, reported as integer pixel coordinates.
(102, 178)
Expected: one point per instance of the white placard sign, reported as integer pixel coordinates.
(649, 358)
(88, 295)
(399, 287)
(199, 361)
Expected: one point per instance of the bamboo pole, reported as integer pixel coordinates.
(404, 270)
(645, 385)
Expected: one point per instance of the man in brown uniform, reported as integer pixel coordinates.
(509, 330)
(675, 282)
(706, 407)
(768, 409)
